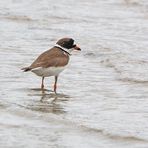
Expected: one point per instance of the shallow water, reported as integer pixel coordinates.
(102, 95)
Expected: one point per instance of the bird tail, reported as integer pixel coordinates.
(25, 69)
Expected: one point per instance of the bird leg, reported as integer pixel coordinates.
(55, 84)
(42, 85)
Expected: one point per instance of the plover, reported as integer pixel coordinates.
(53, 61)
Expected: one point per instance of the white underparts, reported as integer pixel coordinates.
(47, 72)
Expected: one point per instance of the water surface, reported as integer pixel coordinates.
(102, 95)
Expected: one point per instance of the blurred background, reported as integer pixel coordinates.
(102, 95)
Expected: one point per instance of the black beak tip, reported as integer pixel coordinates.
(79, 49)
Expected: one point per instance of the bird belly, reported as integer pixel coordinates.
(47, 72)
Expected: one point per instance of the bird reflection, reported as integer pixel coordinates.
(50, 103)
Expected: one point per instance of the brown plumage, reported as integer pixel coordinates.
(53, 57)
(52, 61)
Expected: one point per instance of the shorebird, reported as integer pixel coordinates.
(53, 61)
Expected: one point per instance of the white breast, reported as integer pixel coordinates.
(47, 72)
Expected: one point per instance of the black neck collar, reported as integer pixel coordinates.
(62, 48)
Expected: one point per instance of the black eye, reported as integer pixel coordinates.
(73, 45)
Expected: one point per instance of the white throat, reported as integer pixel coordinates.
(64, 49)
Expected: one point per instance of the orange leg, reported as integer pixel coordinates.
(55, 84)
(42, 85)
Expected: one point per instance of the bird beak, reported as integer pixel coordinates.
(77, 48)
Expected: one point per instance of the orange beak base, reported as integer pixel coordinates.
(77, 48)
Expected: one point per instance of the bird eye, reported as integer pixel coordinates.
(74, 45)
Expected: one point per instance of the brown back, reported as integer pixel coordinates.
(51, 58)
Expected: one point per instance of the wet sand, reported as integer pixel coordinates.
(102, 95)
